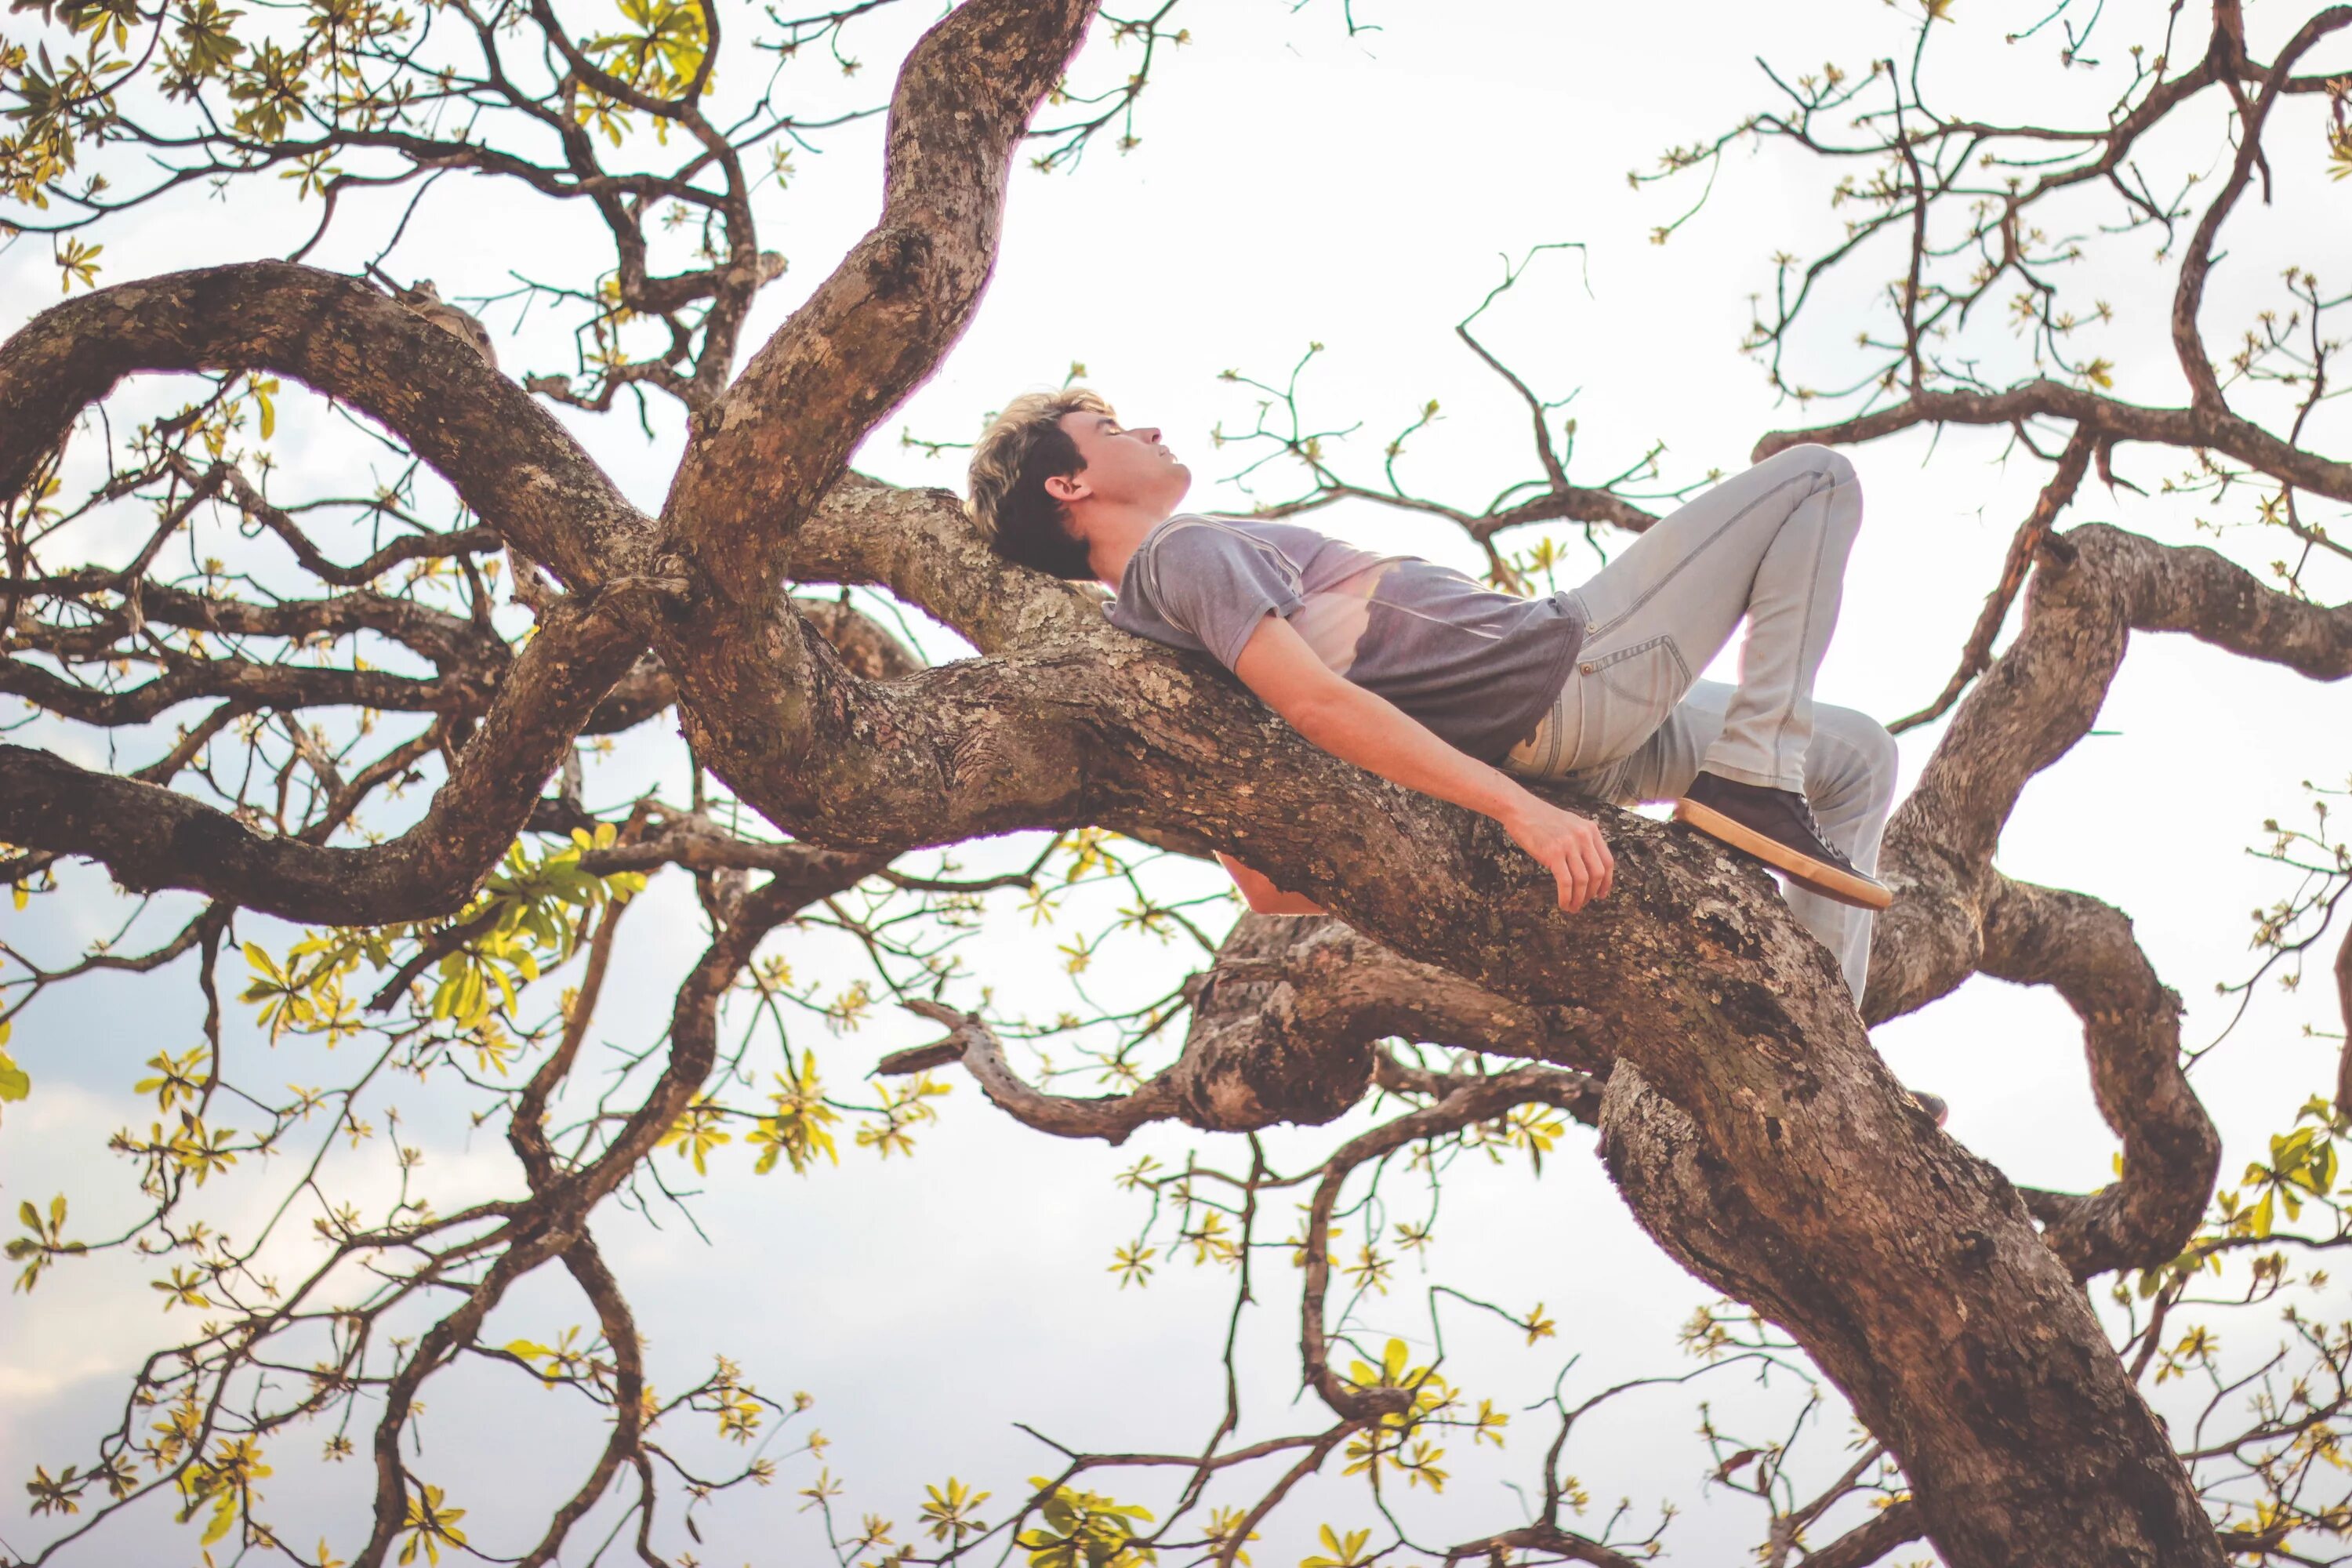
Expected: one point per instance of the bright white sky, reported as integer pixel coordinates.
(1294, 185)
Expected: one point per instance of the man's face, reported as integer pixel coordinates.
(1126, 465)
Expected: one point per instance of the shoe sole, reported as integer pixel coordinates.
(1819, 876)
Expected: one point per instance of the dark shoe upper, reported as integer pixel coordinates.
(1779, 815)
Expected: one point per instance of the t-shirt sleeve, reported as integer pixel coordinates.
(1218, 585)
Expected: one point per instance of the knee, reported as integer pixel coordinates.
(1885, 759)
(1867, 750)
(1812, 457)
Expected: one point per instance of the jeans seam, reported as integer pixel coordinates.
(1805, 630)
(1663, 639)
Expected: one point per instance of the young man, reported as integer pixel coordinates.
(1427, 677)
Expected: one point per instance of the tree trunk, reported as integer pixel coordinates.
(1969, 1350)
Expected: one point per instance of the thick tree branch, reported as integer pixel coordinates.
(1687, 1194)
(1284, 1024)
(1282, 1033)
(1727, 1009)
(878, 325)
(864, 646)
(2131, 1031)
(519, 469)
(2094, 585)
(920, 544)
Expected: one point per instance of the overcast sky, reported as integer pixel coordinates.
(1293, 184)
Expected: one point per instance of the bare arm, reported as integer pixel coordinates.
(1368, 730)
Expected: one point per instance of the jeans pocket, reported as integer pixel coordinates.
(1625, 695)
(1544, 754)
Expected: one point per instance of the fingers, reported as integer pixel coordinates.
(1574, 878)
(1572, 849)
(1586, 871)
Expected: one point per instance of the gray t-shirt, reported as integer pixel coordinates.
(1479, 668)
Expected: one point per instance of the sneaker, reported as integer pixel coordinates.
(1777, 827)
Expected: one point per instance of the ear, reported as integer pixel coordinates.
(1068, 488)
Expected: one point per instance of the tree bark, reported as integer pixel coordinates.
(2022, 1439)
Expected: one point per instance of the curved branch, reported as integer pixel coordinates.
(1475, 1099)
(2131, 1030)
(920, 544)
(864, 645)
(249, 501)
(1897, 1524)
(1284, 1024)
(242, 681)
(151, 837)
(1282, 1033)
(879, 324)
(2095, 586)
(2217, 430)
(2188, 342)
(1956, 915)
(1550, 1541)
(554, 1225)
(1110, 1118)
(698, 844)
(514, 466)
(436, 635)
(2343, 1005)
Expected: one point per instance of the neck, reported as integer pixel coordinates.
(1112, 533)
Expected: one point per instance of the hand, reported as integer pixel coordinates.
(1569, 846)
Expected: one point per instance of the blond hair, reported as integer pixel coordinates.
(1021, 448)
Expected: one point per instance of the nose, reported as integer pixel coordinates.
(1149, 432)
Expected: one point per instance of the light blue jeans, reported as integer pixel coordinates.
(1631, 724)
